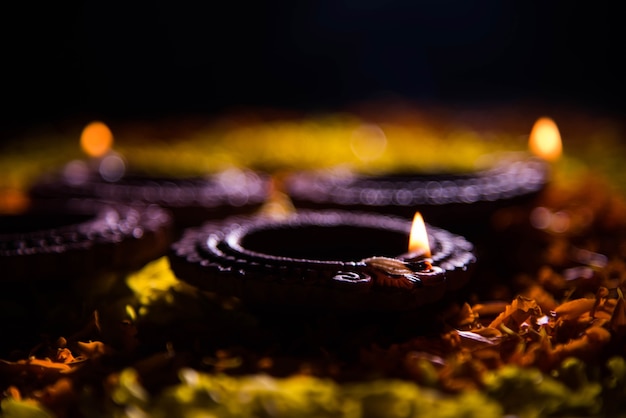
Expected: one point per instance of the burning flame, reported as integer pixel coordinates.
(418, 240)
(545, 140)
(96, 139)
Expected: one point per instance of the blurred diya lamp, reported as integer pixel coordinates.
(448, 199)
(192, 200)
(79, 237)
(335, 260)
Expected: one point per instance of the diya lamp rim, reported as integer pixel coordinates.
(133, 186)
(344, 187)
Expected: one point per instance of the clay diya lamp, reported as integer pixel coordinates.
(62, 260)
(334, 260)
(80, 238)
(192, 200)
(462, 202)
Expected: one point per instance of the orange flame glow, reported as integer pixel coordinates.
(418, 240)
(545, 140)
(96, 139)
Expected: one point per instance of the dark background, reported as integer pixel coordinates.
(109, 59)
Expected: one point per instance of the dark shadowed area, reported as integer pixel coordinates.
(113, 59)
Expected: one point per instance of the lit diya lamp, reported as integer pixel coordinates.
(333, 260)
(448, 199)
(192, 200)
(79, 238)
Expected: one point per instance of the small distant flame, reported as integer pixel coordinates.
(545, 140)
(96, 139)
(418, 240)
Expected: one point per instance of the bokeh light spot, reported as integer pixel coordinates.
(96, 139)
